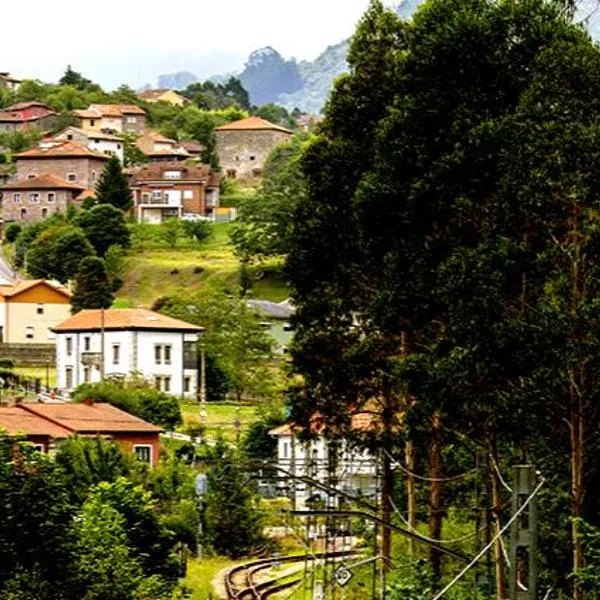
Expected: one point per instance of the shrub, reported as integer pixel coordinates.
(12, 232)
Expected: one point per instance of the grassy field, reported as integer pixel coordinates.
(220, 418)
(155, 271)
(201, 573)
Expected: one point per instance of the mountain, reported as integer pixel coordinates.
(268, 77)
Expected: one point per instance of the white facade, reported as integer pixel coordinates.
(155, 355)
(108, 147)
(97, 141)
(355, 470)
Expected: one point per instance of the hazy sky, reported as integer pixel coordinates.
(133, 41)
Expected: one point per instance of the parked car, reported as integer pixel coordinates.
(194, 217)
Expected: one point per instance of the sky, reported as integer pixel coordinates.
(134, 41)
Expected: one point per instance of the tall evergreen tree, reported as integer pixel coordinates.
(92, 286)
(113, 187)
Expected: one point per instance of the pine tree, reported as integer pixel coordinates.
(92, 286)
(113, 187)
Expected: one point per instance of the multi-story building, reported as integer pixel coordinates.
(98, 141)
(166, 190)
(113, 118)
(66, 159)
(30, 309)
(25, 115)
(38, 197)
(159, 148)
(93, 344)
(243, 146)
(339, 466)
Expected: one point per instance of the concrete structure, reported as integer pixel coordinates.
(37, 198)
(112, 118)
(29, 310)
(163, 95)
(98, 141)
(243, 146)
(355, 472)
(166, 190)
(93, 344)
(24, 115)
(8, 81)
(159, 148)
(66, 159)
(46, 425)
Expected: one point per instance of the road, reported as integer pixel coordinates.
(5, 270)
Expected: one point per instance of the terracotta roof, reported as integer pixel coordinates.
(251, 124)
(155, 172)
(8, 117)
(117, 110)
(87, 193)
(65, 148)
(192, 147)
(124, 318)
(24, 105)
(18, 287)
(86, 113)
(90, 418)
(153, 94)
(15, 420)
(45, 181)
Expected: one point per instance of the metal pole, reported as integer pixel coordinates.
(203, 413)
(102, 344)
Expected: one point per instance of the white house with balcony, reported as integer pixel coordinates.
(115, 343)
(299, 462)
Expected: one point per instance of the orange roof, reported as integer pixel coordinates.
(66, 148)
(252, 124)
(18, 287)
(124, 319)
(87, 193)
(117, 110)
(46, 181)
(154, 94)
(14, 420)
(90, 418)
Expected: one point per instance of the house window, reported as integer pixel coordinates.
(189, 355)
(16, 198)
(93, 175)
(69, 346)
(188, 194)
(71, 177)
(172, 174)
(70, 136)
(69, 377)
(86, 374)
(44, 213)
(167, 354)
(118, 146)
(31, 176)
(143, 452)
(156, 195)
(158, 354)
(39, 448)
(51, 197)
(166, 384)
(187, 384)
(92, 122)
(158, 382)
(23, 213)
(252, 158)
(34, 198)
(87, 343)
(145, 197)
(285, 449)
(131, 120)
(40, 309)
(116, 350)
(29, 332)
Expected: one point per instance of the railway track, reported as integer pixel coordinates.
(241, 584)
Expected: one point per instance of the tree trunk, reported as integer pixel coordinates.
(409, 463)
(577, 427)
(435, 494)
(496, 512)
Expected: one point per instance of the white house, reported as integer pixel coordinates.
(354, 470)
(128, 341)
(99, 141)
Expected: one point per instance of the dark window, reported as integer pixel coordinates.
(189, 355)
(40, 309)
(143, 453)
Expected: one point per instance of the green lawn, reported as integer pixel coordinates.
(220, 417)
(201, 573)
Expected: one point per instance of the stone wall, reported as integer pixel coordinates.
(29, 354)
(245, 152)
(87, 171)
(14, 202)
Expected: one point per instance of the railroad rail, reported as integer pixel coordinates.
(249, 589)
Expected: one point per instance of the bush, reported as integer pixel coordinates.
(197, 230)
(137, 397)
(11, 232)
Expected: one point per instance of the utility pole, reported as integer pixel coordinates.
(524, 537)
(102, 366)
(202, 384)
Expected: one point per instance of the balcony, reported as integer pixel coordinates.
(164, 199)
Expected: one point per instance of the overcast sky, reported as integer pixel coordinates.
(133, 41)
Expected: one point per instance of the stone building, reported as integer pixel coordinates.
(113, 117)
(37, 198)
(65, 159)
(163, 190)
(243, 146)
(24, 115)
(105, 143)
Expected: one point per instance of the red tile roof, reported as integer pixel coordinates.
(252, 124)
(14, 420)
(18, 287)
(66, 148)
(24, 105)
(117, 110)
(45, 181)
(90, 418)
(124, 319)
